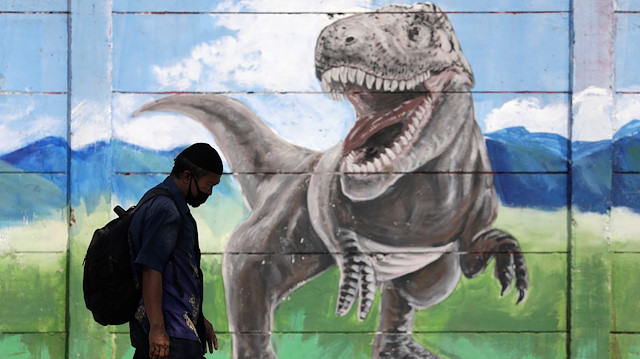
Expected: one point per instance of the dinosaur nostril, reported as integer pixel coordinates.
(350, 39)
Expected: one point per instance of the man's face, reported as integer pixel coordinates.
(206, 183)
(202, 189)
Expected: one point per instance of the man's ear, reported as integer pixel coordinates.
(186, 176)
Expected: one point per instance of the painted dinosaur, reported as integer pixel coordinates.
(405, 203)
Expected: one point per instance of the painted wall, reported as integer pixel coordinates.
(555, 96)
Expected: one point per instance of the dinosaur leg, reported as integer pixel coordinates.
(400, 299)
(255, 284)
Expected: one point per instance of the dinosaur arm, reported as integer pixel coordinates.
(357, 276)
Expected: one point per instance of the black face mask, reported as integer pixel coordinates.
(198, 199)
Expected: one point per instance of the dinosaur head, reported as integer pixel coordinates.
(392, 65)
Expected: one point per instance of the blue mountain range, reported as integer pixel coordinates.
(535, 170)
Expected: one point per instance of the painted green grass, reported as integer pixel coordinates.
(474, 322)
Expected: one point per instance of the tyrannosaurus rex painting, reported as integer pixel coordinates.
(405, 203)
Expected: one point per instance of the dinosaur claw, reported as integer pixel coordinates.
(357, 278)
(522, 296)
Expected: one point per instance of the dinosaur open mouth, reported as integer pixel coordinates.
(391, 114)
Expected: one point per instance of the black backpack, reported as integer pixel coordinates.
(111, 290)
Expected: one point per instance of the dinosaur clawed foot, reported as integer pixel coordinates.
(510, 264)
(399, 346)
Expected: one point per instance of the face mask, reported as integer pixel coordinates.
(198, 199)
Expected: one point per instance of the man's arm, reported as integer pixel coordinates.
(152, 295)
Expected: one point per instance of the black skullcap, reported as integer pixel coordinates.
(204, 156)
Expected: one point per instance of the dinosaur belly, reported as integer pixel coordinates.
(392, 262)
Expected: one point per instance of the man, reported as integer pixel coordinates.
(169, 322)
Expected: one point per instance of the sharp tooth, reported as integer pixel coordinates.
(350, 167)
(402, 85)
(404, 140)
(357, 169)
(397, 148)
(391, 154)
(379, 82)
(427, 75)
(411, 128)
(335, 74)
(370, 167)
(378, 164)
(325, 86)
(385, 159)
(407, 135)
(352, 75)
(343, 75)
(411, 83)
(387, 85)
(363, 168)
(360, 75)
(416, 121)
(370, 81)
(326, 76)
(394, 85)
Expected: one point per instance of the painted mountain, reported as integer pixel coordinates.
(531, 170)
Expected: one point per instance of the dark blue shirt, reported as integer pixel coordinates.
(165, 239)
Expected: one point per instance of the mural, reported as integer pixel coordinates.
(404, 72)
(393, 222)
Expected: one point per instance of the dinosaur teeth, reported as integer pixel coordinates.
(370, 81)
(343, 74)
(397, 148)
(379, 83)
(360, 76)
(394, 85)
(325, 85)
(411, 83)
(416, 121)
(402, 85)
(370, 167)
(389, 152)
(351, 75)
(385, 159)
(335, 74)
(377, 163)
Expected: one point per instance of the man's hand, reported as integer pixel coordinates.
(212, 340)
(158, 344)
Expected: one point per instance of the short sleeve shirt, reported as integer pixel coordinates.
(165, 239)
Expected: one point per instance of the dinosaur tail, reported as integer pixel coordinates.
(251, 148)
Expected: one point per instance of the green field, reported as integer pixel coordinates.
(581, 303)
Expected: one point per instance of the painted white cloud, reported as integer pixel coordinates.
(627, 110)
(530, 113)
(157, 131)
(22, 122)
(90, 123)
(593, 115)
(266, 52)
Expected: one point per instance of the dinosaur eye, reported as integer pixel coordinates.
(413, 32)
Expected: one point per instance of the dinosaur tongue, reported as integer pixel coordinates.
(371, 124)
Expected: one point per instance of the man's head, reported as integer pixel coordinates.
(199, 164)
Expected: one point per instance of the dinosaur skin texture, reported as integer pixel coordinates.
(405, 203)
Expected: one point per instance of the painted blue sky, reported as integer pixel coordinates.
(254, 45)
